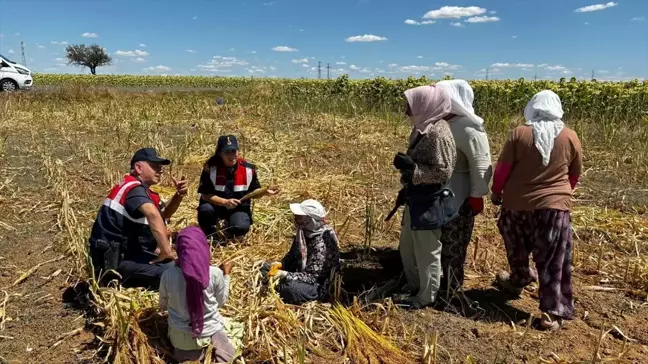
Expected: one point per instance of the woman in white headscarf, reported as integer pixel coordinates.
(306, 270)
(425, 174)
(536, 173)
(469, 182)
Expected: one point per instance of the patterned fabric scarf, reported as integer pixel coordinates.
(309, 230)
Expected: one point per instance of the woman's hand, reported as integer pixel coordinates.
(267, 267)
(231, 203)
(280, 274)
(226, 268)
(271, 191)
(496, 199)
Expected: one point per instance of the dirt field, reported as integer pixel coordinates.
(61, 152)
(33, 319)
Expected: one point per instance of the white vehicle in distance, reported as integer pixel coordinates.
(14, 76)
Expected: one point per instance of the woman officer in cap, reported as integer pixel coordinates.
(225, 179)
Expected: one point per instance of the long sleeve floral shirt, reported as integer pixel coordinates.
(435, 154)
(323, 256)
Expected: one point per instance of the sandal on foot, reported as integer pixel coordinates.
(550, 322)
(503, 280)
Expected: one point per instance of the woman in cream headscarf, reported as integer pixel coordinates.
(425, 171)
(537, 171)
(469, 180)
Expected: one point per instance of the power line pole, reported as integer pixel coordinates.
(535, 78)
(22, 48)
(328, 71)
(592, 75)
(319, 70)
(487, 70)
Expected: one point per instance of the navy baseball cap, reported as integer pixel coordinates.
(227, 143)
(149, 155)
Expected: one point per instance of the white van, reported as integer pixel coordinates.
(14, 76)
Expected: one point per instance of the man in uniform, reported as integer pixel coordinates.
(129, 234)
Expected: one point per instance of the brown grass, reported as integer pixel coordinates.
(85, 141)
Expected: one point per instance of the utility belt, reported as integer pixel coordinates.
(109, 252)
(431, 207)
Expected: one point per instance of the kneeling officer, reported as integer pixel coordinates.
(225, 180)
(130, 226)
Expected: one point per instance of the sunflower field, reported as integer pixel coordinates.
(609, 102)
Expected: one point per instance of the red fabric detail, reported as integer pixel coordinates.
(128, 178)
(115, 190)
(221, 180)
(573, 180)
(240, 174)
(502, 172)
(155, 197)
(476, 204)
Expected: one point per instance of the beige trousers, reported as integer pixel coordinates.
(420, 251)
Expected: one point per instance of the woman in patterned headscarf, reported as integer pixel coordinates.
(537, 171)
(425, 172)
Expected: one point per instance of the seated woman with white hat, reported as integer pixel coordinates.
(305, 272)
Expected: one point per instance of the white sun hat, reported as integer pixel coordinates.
(310, 208)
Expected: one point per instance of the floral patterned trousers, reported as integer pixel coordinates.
(455, 238)
(547, 235)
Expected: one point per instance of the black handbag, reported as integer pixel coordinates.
(431, 207)
(433, 210)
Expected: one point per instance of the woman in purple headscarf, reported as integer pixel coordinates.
(192, 292)
(426, 169)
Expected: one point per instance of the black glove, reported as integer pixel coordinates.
(407, 175)
(265, 268)
(403, 162)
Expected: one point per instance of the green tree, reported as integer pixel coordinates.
(92, 56)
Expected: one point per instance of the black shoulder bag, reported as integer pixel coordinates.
(431, 207)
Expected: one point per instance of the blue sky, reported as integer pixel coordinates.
(364, 38)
